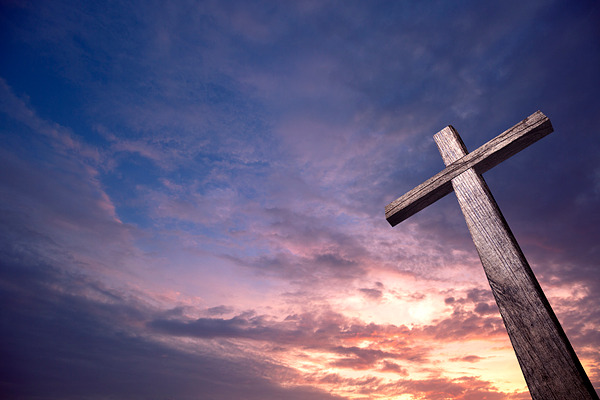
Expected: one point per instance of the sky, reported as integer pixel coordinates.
(192, 195)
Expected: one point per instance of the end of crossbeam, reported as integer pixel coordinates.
(511, 141)
(417, 199)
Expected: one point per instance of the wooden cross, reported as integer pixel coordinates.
(547, 359)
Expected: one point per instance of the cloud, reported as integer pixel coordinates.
(53, 200)
(311, 331)
(393, 367)
(236, 327)
(469, 358)
(373, 294)
(61, 139)
(461, 388)
(359, 358)
(63, 337)
(219, 310)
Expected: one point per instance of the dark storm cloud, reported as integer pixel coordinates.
(66, 337)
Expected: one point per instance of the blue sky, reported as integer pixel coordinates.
(192, 195)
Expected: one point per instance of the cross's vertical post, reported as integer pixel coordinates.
(548, 362)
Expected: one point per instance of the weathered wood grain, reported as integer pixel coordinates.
(503, 146)
(549, 363)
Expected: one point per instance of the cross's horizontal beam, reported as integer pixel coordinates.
(503, 146)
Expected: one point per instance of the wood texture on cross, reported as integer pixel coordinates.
(549, 364)
(503, 146)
